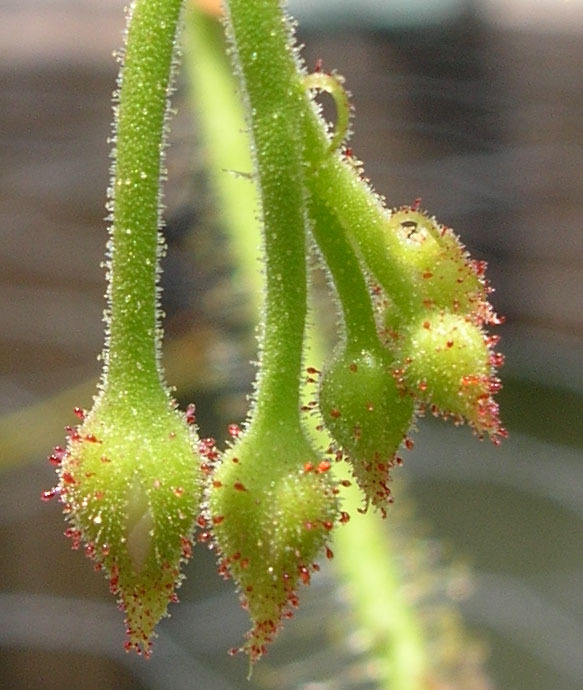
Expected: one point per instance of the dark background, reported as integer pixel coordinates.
(475, 107)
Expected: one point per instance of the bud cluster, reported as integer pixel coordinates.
(134, 478)
(446, 359)
(430, 350)
(427, 346)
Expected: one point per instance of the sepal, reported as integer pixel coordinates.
(368, 413)
(271, 506)
(449, 364)
(130, 483)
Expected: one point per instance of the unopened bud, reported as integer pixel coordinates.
(130, 485)
(272, 513)
(368, 413)
(448, 364)
(442, 274)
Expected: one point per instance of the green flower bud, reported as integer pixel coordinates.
(130, 484)
(443, 275)
(271, 506)
(449, 364)
(368, 414)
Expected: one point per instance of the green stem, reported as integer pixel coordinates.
(365, 222)
(131, 354)
(338, 184)
(346, 272)
(263, 55)
(366, 558)
(219, 114)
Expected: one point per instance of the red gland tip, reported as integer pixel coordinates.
(190, 414)
(234, 430)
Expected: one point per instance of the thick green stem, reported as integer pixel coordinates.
(135, 243)
(264, 57)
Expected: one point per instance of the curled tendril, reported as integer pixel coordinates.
(332, 84)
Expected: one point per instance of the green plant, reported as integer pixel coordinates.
(413, 309)
(130, 477)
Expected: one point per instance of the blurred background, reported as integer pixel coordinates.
(474, 105)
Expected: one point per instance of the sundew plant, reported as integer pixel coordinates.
(139, 483)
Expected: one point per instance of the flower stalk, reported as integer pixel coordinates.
(130, 476)
(136, 245)
(271, 479)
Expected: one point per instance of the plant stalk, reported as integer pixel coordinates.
(135, 246)
(265, 62)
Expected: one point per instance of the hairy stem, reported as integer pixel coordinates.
(337, 184)
(135, 244)
(264, 59)
(349, 281)
(364, 221)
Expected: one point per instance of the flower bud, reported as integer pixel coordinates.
(368, 414)
(442, 273)
(449, 364)
(271, 505)
(130, 484)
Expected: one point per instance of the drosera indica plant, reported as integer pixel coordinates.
(135, 480)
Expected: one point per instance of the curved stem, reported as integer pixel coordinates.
(264, 59)
(339, 185)
(347, 276)
(131, 352)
